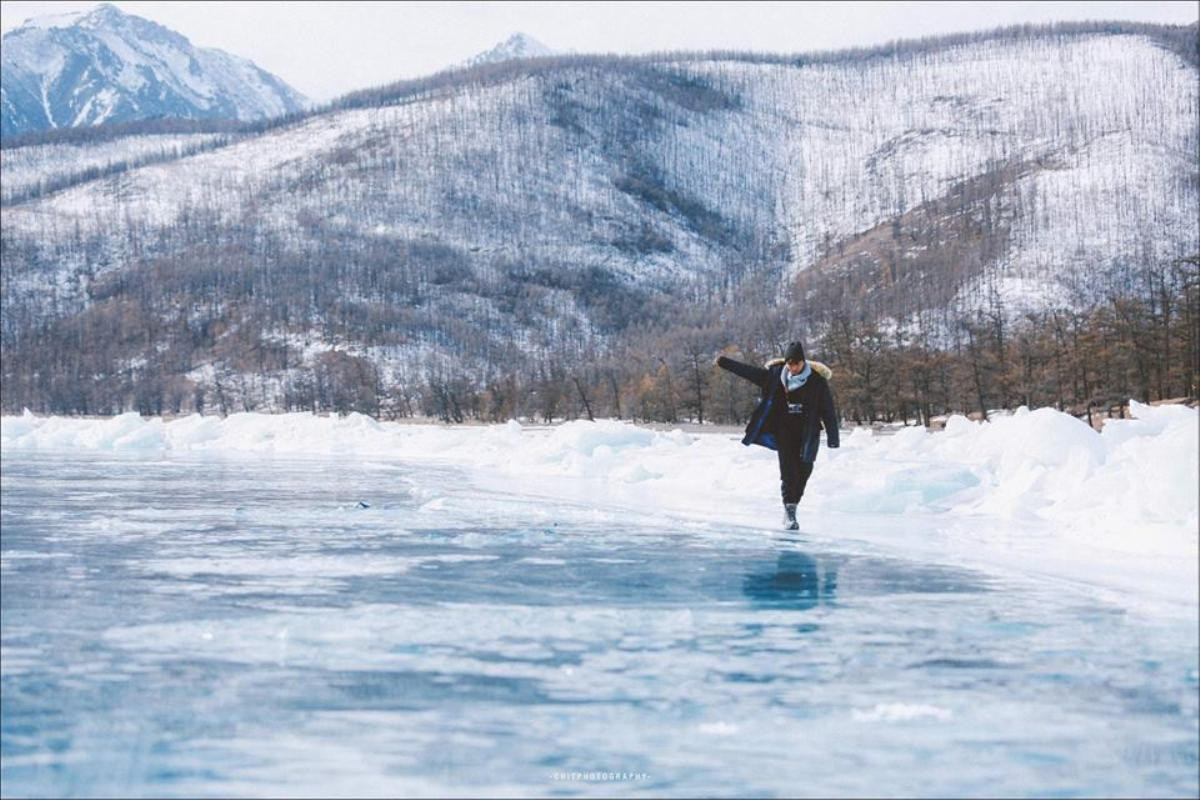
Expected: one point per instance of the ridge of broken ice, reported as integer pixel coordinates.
(1129, 490)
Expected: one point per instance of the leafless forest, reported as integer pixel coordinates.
(580, 237)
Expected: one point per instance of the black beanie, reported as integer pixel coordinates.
(794, 352)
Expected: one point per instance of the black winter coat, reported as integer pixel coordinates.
(767, 420)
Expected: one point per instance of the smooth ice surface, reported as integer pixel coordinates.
(1118, 508)
(199, 624)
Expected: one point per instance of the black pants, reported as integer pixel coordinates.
(793, 473)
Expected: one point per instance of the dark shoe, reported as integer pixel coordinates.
(789, 517)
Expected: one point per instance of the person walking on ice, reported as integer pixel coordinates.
(796, 402)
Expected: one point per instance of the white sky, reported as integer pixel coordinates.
(325, 49)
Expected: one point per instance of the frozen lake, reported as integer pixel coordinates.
(201, 626)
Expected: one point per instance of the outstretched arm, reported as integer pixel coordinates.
(756, 375)
(829, 417)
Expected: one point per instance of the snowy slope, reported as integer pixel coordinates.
(88, 68)
(1108, 123)
(43, 164)
(781, 158)
(680, 176)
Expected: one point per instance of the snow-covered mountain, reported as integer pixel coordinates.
(519, 45)
(103, 65)
(543, 208)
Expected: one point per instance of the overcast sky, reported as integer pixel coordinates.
(325, 49)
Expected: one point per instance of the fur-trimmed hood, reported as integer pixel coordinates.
(817, 367)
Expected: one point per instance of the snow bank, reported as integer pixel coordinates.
(1130, 489)
(1034, 464)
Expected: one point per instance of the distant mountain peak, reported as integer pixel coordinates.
(519, 45)
(103, 65)
(103, 15)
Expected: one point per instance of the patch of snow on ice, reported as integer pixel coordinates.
(900, 712)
